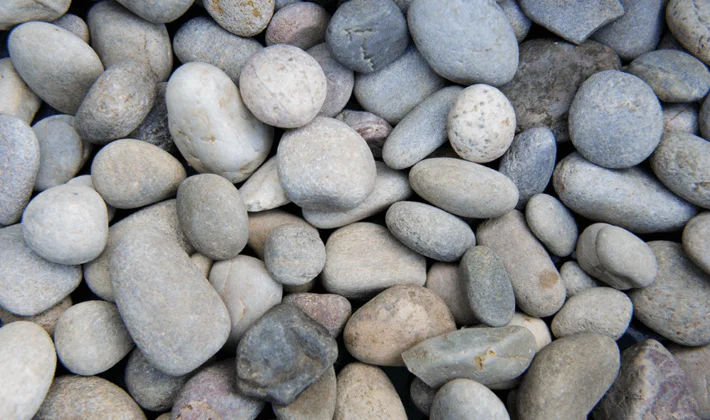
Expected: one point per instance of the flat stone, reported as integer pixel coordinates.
(154, 128)
(637, 32)
(696, 240)
(330, 310)
(573, 22)
(19, 100)
(316, 403)
(19, 168)
(599, 310)
(552, 223)
(675, 76)
(162, 12)
(365, 392)
(695, 362)
(487, 286)
(152, 389)
(47, 319)
(75, 25)
(340, 80)
(575, 279)
(681, 117)
(243, 17)
(463, 397)
(12, 13)
(443, 279)
(62, 151)
(371, 127)
(302, 25)
(263, 190)
(682, 162)
(688, 22)
(294, 255)
(262, 223)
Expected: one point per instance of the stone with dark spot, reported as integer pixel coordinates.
(154, 128)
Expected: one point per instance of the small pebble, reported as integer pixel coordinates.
(681, 117)
(552, 223)
(47, 319)
(62, 151)
(150, 388)
(688, 22)
(695, 362)
(575, 279)
(637, 32)
(464, 398)
(371, 127)
(263, 190)
(262, 223)
(696, 240)
(18, 168)
(339, 81)
(302, 24)
(675, 76)
(536, 326)
(330, 310)
(365, 392)
(75, 25)
(316, 403)
(242, 17)
(158, 12)
(19, 11)
(18, 100)
(599, 310)
(294, 255)
(573, 22)
(202, 262)
(487, 286)
(443, 279)
(682, 163)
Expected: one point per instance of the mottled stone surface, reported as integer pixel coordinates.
(330, 310)
(695, 362)
(316, 403)
(689, 23)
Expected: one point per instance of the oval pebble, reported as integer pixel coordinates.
(158, 12)
(696, 240)
(294, 255)
(301, 24)
(675, 76)
(62, 151)
(19, 101)
(552, 223)
(340, 80)
(575, 279)
(262, 223)
(149, 387)
(19, 168)
(487, 286)
(242, 17)
(443, 279)
(462, 398)
(330, 310)
(682, 163)
(263, 190)
(372, 128)
(599, 310)
(365, 392)
(689, 24)
(12, 13)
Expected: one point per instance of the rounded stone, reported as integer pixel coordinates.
(301, 24)
(38, 49)
(681, 117)
(552, 223)
(326, 165)
(75, 25)
(230, 142)
(316, 403)
(394, 321)
(262, 223)
(615, 120)
(213, 216)
(688, 22)
(120, 174)
(19, 101)
(62, 151)
(481, 124)
(675, 76)
(263, 190)
(154, 128)
(575, 279)
(487, 286)
(330, 310)
(150, 388)
(637, 32)
(536, 326)
(696, 240)
(18, 168)
(242, 17)
(294, 255)
(340, 80)
(573, 22)
(462, 398)
(365, 392)
(480, 42)
(91, 338)
(443, 279)
(624, 255)
(27, 369)
(682, 162)
(695, 362)
(600, 310)
(12, 13)
(47, 319)
(158, 11)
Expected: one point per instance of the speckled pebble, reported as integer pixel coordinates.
(316, 403)
(636, 32)
(575, 279)
(695, 362)
(682, 163)
(19, 101)
(688, 22)
(681, 117)
(462, 398)
(330, 310)
(518, 20)
(154, 128)
(696, 240)
(262, 223)
(552, 223)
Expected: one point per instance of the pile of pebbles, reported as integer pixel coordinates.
(364, 209)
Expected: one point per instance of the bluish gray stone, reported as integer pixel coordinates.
(689, 22)
(575, 279)
(696, 240)
(75, 25)
(62, 151)
(681, 117)
(19, 11)
(674, 75)
(521, 24)
(575, 21)
(293, 254)
(487, 286)
(18, 168)
(637, 32)
(682, 163)
(600, 310)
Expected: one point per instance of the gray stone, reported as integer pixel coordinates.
(521, 24)
(548, 77)
(91, 398)
(330, 310)
(75, 25)
(326, 165)
(487, 286)
(421, 132)
(243, 17)
(365, 392)
(132, 173)
(85, 181)
(18, 100)
(263, 190)
(637, 31)
(422, 395)
(429, 230)
(18, 168)
(158, 11)
(178, 334)
(282, 354)
(573, 22)
(150, 388)
(552, 223)
(202, 39)
(568, 377)
(154, 128)
(675, 305)
(30, 284)
(262, 223)
(480, 42)
(90, 338)
(629, 198)
(211, 393)
(395, 90)
(463, 188)
(651, 384)
(682, 163)
(367, 35)
(689, 23)
(47, 319)
(14, 12)
(66, 224)
(62, 151)
(27, 369)
(529, 162)
(681, 117)
(203, 263)
(302, 24)
(316, 403)
(340, 81)
(675, 76)
(294, 254)
(363, 259)
(443, 279)
(575, 279)
(669, 42)
(695, 362)
(696, 240)
(539, 290)
(213, 216)
(704, 119)
(600, 310)
(615, 120)
(372, 128)
(118, 35)
(486, 355)
(464, 398)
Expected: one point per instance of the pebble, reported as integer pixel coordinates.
(696, 240)
(365, 392)
(247, 290)
(529, 162)
(485, 355)
(575, 279)
(294, 254)
(27, 369)
(212, 393)
(230, 142)
(213, 216)
(282, 354)
(62, 152)
(12, 13)
(396, 89)
(158, 12)
(394, 321)
(518, 20)
(464, 398)
(120, 172)
(678, 280)
(367, 35)
(421, 131)
(18, 100)
(681, 117)
(536, 326)
(262, 223)
(675, 76)
(30, 284)
(75, 25)
(600, 310)
(154, 128)
(443, 279)
(202, 262)
(573, 22)
(463, 188)
(637, 32)
(632, 198)
(18, 168)
(552, 223)
(688, 22)
(150, 388)
(91, 338)
(47, 319)
(330, 310)
(326, 165)
(422, 395)
(539, 290)
(651, 383)
(202, 39)
(363, 259)
(116, 104)
(118, 35)
(263, 190)
(242, 17)
(301, 24)
(487, 286)
(88, 397)
(176, 332)
(316, 403)
(371, 127)
(695, 362)
(682, 163)
(580, 367)
(480, 42)
(339, 80)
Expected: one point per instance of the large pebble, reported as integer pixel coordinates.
(675, 305)
(365, 392)
(178, 334)
(132, 173)
(487, 286)
(263, 190)
(18, 168)
(629, 198)
(154, 128)
(302, 24)
(18, 100)
(294, 255)
(340, 80)
(242, 17)
(443, 279)
(27, 369)
(13, 12)
(213, 216)
(47, 319)
(363, 259)
(480, 43)
(30, 284)
(552, 223)
(696, 240)
(394, 321)
(149, 387)
(330, 310)
(573, 22)
(464, 398)
(675, 76)
(230, 141)
(638, 31)
(539, 290)
(62, 151)
(599, 309)
(682, 163)
(695, 362)
(575, 279)
(262, 223)
(569, 377)
(689, 24)
(158, 11)
(316, 403)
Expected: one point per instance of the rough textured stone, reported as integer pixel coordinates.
(316, 403)
(47, 319)
(263, 190)
(682, 162)
(18, 168)
(365, 392)
(330, 310)
(340, 80)
(443, 279)
(242, 17)
(150, 388)
(681, 117)
(675, 76)
(462, 398)
(262, 223)
(575, 279)
(696, 240)
(599, 309)
(158, 11)
(552, 223)
(487, 286)
(18, 100)
(695, 362)
(13, 12)
(689, 24)
(573, 22)
(154, 128)
(371, 127)
(62, 151)
(637, 32)
(294, 255)
(302, 24)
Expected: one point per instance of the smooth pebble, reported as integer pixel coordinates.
(573, 22)
(599, 309)
(302, 24)
(330, 310)
(62, 151)
(294, 255)
(365, 392)
(486, 284)
(552, 223)
(682, 163)
(340, 80)
(242, 17)
(462, 398)
(696, 240)
(443, 279)
(150, 388)
(263, 190)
